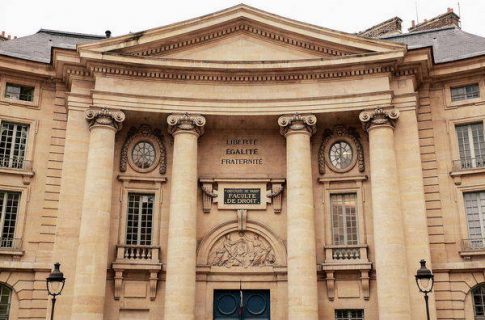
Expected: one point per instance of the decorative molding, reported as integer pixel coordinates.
(276, 195)
(242, 249)
(339, 133)
(207, 196)
(378, 117)
(242, 26)
(297, 122)
(330, 279)
(186, 122)
(103, 117)
(144, 133)
(238, 76)
(242, 219)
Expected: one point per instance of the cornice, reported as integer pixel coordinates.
(242, 26)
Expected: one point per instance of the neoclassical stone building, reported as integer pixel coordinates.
(243, 165)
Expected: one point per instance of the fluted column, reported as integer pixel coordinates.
(92, 255)
(389, 242)
(182, 241)
(302, 271)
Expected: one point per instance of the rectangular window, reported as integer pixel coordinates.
(13, 142)
(19, 92)
(349, 314)
(475, 215)
(470, 91)
(471, 144)
(344, 219)
(140, 216)
(9, 205)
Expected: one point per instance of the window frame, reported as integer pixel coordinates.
(465, 86)
(29, 149)
(479, 286)
(152, 188)
(36, 96)
(346, 236)
(21, 217)
(139, 218)
(473, 156)
(10, 299)
(332, 188)
(349, 310)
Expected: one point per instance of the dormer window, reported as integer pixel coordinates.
(19, 92)
(467, 92)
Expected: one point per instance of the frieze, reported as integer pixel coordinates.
(242, 249)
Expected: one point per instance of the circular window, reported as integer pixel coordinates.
(143, 155)
(341, 155)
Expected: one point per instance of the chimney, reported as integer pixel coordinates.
(108, 34)
(386, 28)
(413, 23)
(448, 19)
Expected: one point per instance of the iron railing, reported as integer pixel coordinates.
(473, 244)
(18, 163)
(10, 244)
(138, 253)
(469, 163)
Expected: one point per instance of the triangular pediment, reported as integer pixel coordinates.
(240, 33)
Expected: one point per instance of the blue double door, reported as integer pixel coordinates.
(241, 305)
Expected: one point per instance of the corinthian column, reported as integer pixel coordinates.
(389, 242)
(302, 265)
(92, 255)
(182, 241)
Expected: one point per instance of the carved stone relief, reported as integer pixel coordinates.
(146, 134)
(340, 133)
(242, 249)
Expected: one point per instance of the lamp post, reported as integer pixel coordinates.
(425, 282)
(55, 283)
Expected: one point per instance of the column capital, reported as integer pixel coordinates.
(379, 117)
(103, 117)
(186, 122)
(297, 123)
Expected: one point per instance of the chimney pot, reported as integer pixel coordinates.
(413, 23)
(9, 37)
(450, 10)
(3, 33)
(108, 34)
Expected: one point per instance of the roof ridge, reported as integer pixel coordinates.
(71, 34)
(420, 32)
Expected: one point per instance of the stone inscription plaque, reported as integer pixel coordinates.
(242, 196)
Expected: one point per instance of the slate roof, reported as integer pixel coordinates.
(449, 43)
(37, 47)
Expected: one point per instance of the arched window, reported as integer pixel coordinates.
(5, 299)
(478, 294)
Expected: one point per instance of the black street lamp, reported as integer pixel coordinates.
(55, 283)
(425, 282)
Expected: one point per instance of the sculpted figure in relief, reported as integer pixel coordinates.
(242, 249)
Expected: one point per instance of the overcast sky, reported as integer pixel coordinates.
(23, 17)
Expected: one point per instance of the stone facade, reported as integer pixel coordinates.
(241, 131)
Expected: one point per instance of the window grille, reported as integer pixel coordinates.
(139, 221)
(475, 214)
(5, 299)
(478, 295)
(9, 204)
(344, 219)
(19, 92)
(349, 314)
(470, 91)
(471, 144)
(13, 142)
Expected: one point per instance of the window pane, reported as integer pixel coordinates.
(475, 214)
(9, 203)
(5, 298)
(479, 300)
(18, 92)
(471, 145)
(344, 219)
(139, 219)
(13, 142)
(356, 314)
(465, 92)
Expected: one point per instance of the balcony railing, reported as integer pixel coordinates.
(477, 244)
(18, 163)
(345, 253)
(10, 244)
(469, 163)
(138, 253)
